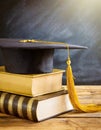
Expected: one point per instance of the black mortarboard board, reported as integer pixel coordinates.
(30, 56)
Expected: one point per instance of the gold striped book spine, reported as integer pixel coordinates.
(24, 107)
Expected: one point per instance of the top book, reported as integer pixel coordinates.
(31, 84)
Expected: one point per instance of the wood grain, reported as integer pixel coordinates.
(69, 121)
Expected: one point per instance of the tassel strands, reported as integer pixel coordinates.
(73, 94)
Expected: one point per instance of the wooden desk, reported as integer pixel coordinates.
(68, 121)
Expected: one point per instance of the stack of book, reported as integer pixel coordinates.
(33, 96)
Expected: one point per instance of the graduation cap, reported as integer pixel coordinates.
(30, 56)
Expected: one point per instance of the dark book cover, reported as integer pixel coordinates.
(35, 109)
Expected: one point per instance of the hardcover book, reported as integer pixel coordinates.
(37, 108)
(31, 84)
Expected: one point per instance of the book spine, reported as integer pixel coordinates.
(20, 106)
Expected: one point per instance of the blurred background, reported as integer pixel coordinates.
(72, 21)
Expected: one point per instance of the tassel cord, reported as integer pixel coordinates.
(73, 94)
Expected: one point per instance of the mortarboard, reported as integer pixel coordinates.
(30, 56)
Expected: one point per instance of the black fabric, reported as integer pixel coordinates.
(73, 21)
(26, 61)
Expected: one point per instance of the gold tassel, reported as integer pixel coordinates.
(73, 94)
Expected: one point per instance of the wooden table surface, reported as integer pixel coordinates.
(69, 121)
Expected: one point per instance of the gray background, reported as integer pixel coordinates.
(72, 21)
